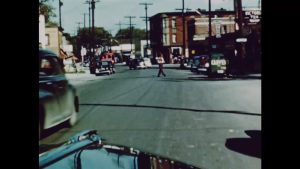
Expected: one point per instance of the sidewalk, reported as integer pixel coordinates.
(80, 78)
(246, 76)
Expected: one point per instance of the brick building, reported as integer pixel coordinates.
(166, 32)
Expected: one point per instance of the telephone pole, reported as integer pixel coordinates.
(79, 23)
(60, 4)
(120, 30)
(209, 26)
(89, 2)
(84, 19)
(92, 67)
(240, 46)
(130, 28)
(183, 28)
(146, 19)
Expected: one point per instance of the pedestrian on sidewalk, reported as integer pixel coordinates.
(160, 60)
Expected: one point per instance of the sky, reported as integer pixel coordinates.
(108, 13)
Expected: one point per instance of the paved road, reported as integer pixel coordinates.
(214, 124)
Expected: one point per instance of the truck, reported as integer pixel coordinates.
(127, 52)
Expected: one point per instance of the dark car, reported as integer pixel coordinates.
(203, 63)
(58, 101)
(136, 64)
(200, 63)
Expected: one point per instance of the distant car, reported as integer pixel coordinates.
(58, 101)
(218, 64)
(203, 63)
(195, 61)
(141, 64)
(136, 64)
(147, 62)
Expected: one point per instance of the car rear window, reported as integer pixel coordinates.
(49, 66)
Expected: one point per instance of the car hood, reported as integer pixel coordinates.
(88, 150)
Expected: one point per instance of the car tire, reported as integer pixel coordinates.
(73, 119)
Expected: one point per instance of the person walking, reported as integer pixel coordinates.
(160, 60)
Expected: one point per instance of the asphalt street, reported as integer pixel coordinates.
(209, 123)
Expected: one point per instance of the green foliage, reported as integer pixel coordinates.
(51, 24)
(47, 10)
(102, 36)
(137, 36)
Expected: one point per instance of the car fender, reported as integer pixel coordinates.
(44, 94)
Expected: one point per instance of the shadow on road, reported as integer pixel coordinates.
(248, 146)
(48, 132)
(126, 78)
(171, 108)
(102, 73)
(204, 78)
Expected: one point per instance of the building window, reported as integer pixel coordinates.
(225, 29)
(47, 40)
(165, 25)
(164, 38)
(174, 38)
(173, 24)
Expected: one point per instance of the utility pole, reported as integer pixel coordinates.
(183, 28)
(120, 28)
(93, 68)
(130, 27)
(89, 35)
(89, 2)
(60, 4)
(78, 28)
(240, 46)
(183, 11)
(84, 19)
(209, 26)
(146, 19)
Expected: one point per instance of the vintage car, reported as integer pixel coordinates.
(58, 101)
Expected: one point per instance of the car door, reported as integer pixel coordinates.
(48, 87)
(65, 94)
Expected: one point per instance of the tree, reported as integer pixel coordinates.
(47, 10)
(102, 36)
(137, 36)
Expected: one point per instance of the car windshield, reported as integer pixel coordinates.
(144, 77)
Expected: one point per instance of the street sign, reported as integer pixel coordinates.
(252, 16)
(241, 40)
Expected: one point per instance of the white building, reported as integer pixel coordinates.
(144, 48)
(42, 31)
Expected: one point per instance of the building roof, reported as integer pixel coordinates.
(193, 13)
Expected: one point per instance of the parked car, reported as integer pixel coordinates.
(147, 62)
(58, 101)
(203, 64)
(194, 62)
(136, 64)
